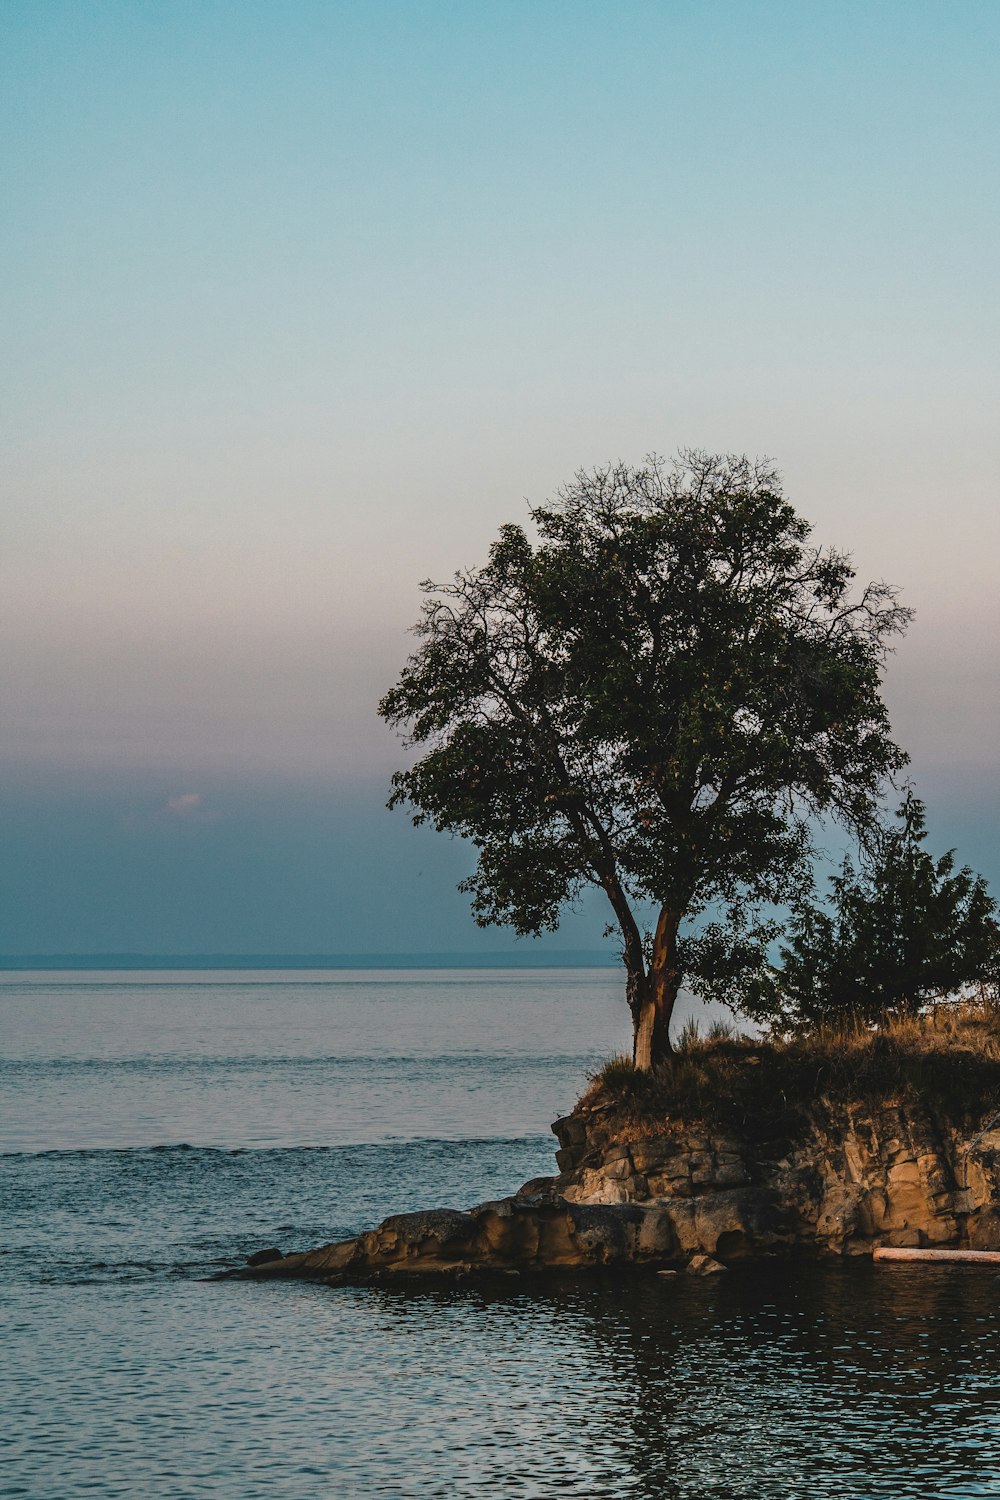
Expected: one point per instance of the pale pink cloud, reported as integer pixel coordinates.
(188, 807)
(183, 807)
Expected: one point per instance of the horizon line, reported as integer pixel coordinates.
(568, 958)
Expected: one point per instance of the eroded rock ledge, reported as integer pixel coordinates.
(669, 1195)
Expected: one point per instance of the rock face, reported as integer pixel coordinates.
(858, 1177)
(668, 1195)
(533, 1230)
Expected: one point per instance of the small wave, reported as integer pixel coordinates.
(393, 1144)
(167, 1148)
(432, 1062)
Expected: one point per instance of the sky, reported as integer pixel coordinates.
(300, 302)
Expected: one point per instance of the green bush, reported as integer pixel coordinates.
(901, 932)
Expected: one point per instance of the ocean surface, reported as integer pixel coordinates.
(156, 1127)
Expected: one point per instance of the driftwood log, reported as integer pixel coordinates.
(974, 1257)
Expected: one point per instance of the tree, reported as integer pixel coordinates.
(902, 931)
(655, 697)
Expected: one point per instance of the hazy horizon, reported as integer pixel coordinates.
(569, 958)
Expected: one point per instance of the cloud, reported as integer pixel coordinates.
(187, 805)
(187, 808)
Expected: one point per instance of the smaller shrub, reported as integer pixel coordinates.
(618, 1076)
(690, 1035)
(721, 1031)
(904, 932)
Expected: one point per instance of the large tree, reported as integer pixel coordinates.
(657, 696)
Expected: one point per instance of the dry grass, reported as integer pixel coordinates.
(948, 1059)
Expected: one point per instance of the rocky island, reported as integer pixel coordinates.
(734, 1150)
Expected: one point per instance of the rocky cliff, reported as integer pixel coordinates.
(857, 1176)
(668, 1195)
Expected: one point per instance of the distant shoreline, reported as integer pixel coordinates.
(571, 958)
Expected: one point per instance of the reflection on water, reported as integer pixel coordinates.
(815, 1382)
(124, 1374)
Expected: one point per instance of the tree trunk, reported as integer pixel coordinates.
(651, 1017)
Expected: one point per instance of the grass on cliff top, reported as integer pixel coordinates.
(947, 1059)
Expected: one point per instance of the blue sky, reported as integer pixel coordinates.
(300, 302)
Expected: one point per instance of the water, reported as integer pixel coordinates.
(156, 1127)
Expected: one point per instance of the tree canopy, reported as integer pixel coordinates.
(902, 930)
(655, 695)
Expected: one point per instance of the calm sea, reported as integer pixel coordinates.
(155, 1127)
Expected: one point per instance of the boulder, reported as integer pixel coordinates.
(263, 1257)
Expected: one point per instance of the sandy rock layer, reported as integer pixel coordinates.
(857, 1177)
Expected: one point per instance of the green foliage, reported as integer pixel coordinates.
(904, 930)
(655, 697)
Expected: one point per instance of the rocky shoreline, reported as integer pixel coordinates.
(667, 1196)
